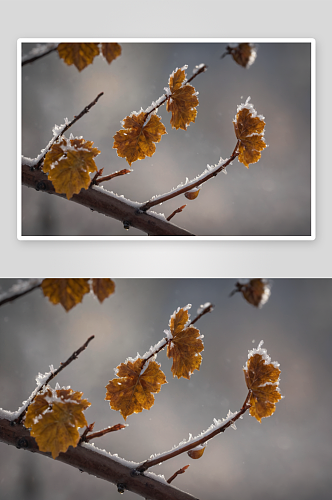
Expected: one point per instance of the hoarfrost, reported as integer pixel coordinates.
(203, 307)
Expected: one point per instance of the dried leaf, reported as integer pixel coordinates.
(139, 136)
(243, 54)
(103, 288)
(257, 291)
(69, 163)
(249, 130)
(66, 291)
(79, 54)
(110, 51)
(183, 100)
(262, 379)
(185, 345)
(132, 391)
(54, 418)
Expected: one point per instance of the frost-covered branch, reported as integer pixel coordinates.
(99, 463)
(110, 204)
(19, 289)
(58, 130)
(43, 380)
(188, 186)
(216, 428)
(39, 51)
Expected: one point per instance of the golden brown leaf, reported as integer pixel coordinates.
(66, 291)
(139, 136)
(103, 288)
(54, 418)
(183, 100)
(132, 391)
(68, 165)
(185, 345)
(79, 54)
(262, 379)
(249, 130)
(110, 51)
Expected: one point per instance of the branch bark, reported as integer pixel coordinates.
(104, 202)
(87, 460)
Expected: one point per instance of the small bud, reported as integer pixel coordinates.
(197, 452)
(192, 194)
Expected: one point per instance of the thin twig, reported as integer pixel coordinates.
(28, 60)
(195, 442)
(158, 200)
(180, 471)
(87, 437)
(19, 290)
(70, 124)
(124, 171)
(54, 374)
(206, 310)
(177, 211)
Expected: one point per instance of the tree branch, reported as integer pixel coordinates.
(88, 459)
(104, 202)
(158, 200)
(196, 441)
(39, 52)
(52, 375)
(19, 289)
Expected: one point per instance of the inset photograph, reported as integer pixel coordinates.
(131, 138)
(172, 389)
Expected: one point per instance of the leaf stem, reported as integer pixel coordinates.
(75, 354)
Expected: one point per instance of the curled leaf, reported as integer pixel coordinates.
(183, 100)
(138, 137)
(133, 390)
(243, 54)
(249, 130)
(262, 379)
(257, 291)
(69, 163)
(54, 418)
(185, 346)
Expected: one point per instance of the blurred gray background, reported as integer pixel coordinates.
(272, 198)
(286, 456)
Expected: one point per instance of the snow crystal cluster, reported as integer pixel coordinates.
(263, 353)
(250, 107)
